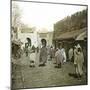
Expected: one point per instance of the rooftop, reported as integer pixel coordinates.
(71, 34)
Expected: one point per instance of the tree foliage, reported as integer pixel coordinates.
(16, 15)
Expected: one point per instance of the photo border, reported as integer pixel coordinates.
(11, 45)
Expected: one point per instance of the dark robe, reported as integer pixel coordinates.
(43, 55)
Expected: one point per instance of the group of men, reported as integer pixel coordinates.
(58, 55)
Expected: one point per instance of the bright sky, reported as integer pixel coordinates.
(42, 15)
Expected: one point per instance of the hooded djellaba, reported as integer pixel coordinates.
(78, 62)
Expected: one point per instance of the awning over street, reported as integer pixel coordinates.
(82, 36)
(71, 35)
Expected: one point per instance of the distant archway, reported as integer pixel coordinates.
(29, 41)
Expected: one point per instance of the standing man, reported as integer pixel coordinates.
(26, 49)
(58, 58)
(27, 45)
(43, 53)
(63, 53)
(52, 53)
(78, 61)
(70, 54)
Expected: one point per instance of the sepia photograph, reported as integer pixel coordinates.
(48, 44)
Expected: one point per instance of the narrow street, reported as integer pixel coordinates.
(29, 77)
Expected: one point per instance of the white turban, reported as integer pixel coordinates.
(78, 46)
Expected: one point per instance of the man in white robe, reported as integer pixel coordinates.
(78, 61)
(70, 54)
(64, 55)
(59, 58)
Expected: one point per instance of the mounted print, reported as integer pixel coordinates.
(48, 44)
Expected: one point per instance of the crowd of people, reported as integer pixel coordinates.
(57, 55)
(78, 62)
